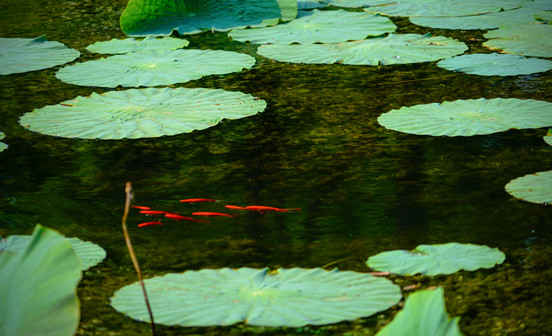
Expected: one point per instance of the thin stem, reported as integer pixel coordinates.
(128, 200)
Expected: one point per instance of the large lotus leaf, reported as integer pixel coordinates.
(154, 67)
(309, 4)
(161, 17)
(436, 259)
(424, 314)
(358, 3)
(321, 26)
(444, 7)
(2, 145)
(38, 287)
(89, 254)
(469, 117)
(392, 49)
(23, 54)
(524, 39)
(486, 21)
(495, 64)
(540, 4)
(534, 188)
(124, 46)
(286, 297)
(141, 113)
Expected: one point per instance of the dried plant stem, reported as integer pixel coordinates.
(128, 200)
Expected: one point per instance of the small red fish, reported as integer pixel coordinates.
(201, 213)
(269, 208)
(149, 223)
(179, 217)
(152, 212)
(141, 207)
(197, 200)
(234, 207)
(376, 274)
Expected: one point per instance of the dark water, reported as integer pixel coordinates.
(362, 189)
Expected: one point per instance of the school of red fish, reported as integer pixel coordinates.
(146, 210)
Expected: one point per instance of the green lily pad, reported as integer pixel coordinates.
(523, 39)
(436, 259)
(89, 254)
(310, 4)
(124, 46)
(2, 145)
(534, 188)
(38, 287)
(444, 7)
(358, 3)
(23, 54)
(321, 26)
(548, 137)
(161, 17)
(392, 49)
(495, 64)
(154, 67)
(286, 297)
(141, 113)
(469, 117)
(424, 314)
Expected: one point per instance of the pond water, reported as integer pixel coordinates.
(362, 189)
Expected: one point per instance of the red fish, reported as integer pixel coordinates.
(201, 213)
(141, 207)
(149, 223)
(234, 207)
(197, 200)
(268, 208)
(179, 217)
(152, 212)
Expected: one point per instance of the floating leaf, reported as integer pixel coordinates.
(522, 39)
(286, 297)
(310, 4)
(436, 259)
(444, 7)
(154, 67)
(424, 314)
(161, 17)
(321, 26)
(469, 117)
(141, 113)
(358, 3)
(392, 49)
(534, 188)
(124, 46)
(548, 137)
(495, 64)
(38, 287)
(2, 145)
(89, 254)
(23, 54)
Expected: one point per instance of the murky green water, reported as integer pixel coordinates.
(362, 189)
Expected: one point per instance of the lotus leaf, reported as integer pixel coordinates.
(89, 254)
(437, 259)
(534, 188)
(469, 117)
(161, 17)
(309, 4)
(124, 46)
(486, 21)
(495, 64)
(23, 54)
(38, 287)
(286, 297)
(358, 3)
(321, 26)
(141, 113)
(523, 39)
(392, 49)
(2, 145)
(154, 67)
(540, 4)
(444, 7)
(424, 314)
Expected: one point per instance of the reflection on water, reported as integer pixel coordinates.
(362, 189)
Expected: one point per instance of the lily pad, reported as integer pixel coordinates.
(286, 297)
(141, 113)
(495, 64)
(2, 145)
(38, 287)
(437, 259)
(392, 49)
(358, 3)
(161, 17)
(523, 39)
(23, 54)
(548, 137)
(310, 4)
(424, 314)
(469, 117)
(124, 46)
(444, 7)
(88, 253)
(321, 27)
(534, 188)
(154, 67)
